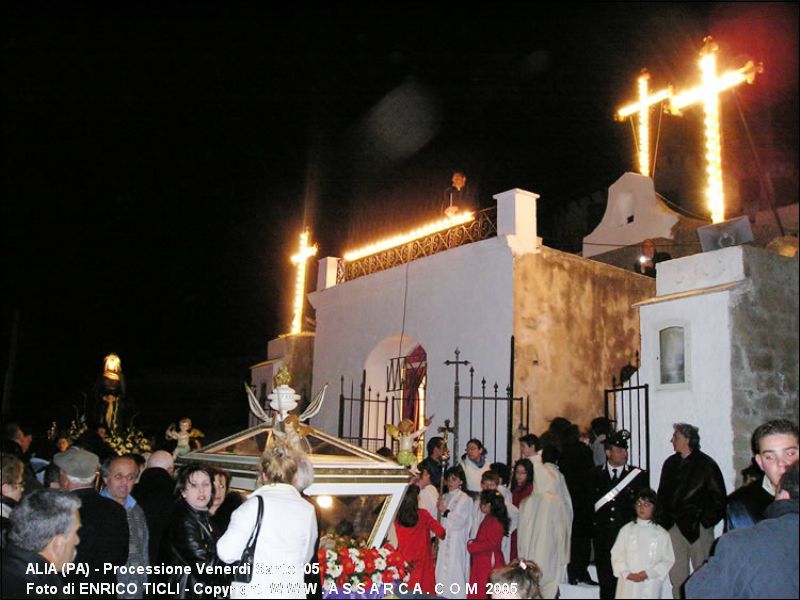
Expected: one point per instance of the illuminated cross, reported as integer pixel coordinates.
(708, 93)
(643, 108)
(303, 254)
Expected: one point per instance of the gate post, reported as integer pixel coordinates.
(456, 393)
(341, 409)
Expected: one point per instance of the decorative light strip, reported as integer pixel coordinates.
(643, 108)
(303, 254)
(404, 238)
(707, 94)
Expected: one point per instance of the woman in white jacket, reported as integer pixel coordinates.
(288, 533)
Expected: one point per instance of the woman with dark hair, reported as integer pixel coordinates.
(225, 501)
(474, 463)
(190, 540)
(414, 527)
(452, 561)
(642, 555)
(486, 548)
(521, 488)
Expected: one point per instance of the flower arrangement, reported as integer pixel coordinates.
(129, 441)
(351, 562)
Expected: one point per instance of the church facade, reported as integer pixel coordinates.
(553, 326)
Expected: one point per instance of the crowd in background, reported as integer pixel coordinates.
(570, 500)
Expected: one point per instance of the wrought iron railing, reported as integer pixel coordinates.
(482, 227)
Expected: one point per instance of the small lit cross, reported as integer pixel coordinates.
(643, 108)
(303, 254)
(708, 93)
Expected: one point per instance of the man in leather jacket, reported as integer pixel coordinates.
(691, 500)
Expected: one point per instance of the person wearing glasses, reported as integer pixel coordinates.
(642, 555)
(119, 476)
(104, 523)
(13, 484)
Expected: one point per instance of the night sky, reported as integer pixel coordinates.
(159, 159)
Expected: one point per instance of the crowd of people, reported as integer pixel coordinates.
(144, 530)
(473, 529)
(572, 496)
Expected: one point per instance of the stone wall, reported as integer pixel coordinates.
(764, 346)
(574, 329)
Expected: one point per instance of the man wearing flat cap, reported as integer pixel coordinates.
(104, 524)
(614, 486)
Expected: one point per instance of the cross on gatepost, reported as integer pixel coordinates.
(708, 93)
(456, 394)
(303, 254)
(642, 107)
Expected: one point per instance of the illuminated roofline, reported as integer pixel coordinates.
(404, 238)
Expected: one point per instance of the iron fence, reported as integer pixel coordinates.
(627, 404)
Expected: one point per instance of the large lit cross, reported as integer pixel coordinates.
(643, 108)
(708, 93)
(303, 254)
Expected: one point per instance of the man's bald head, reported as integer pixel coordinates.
(162, 460)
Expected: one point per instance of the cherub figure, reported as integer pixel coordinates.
(184, 435)
(406, 437)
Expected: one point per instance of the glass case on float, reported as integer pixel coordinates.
(356, 492)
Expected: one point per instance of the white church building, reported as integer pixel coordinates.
(553, 326)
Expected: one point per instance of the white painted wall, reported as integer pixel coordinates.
(693, 295)
(632, 195)
(461, 298)
(706, 401)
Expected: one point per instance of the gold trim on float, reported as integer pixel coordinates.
(378, 521)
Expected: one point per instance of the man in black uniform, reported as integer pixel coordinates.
(614, 487)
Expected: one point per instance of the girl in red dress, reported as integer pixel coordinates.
(414, 527)
(485, 549)
(521, 488)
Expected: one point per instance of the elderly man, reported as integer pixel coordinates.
(759, 561)
(613, 488)
(691, 500)
(119, 475)
(775, 446)
(155, 494)
(104, 530)
(43, 537)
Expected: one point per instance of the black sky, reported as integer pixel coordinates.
(159, 159)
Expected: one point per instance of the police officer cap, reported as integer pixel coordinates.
(619, 439)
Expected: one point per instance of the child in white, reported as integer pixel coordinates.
(642, 555)
(452, 561)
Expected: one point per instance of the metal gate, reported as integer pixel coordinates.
(475, 414)
(627, 405)
(362, 417)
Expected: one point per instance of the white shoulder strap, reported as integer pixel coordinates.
(616, 489)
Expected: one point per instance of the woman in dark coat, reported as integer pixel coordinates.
(225, 501)
(190, 538)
